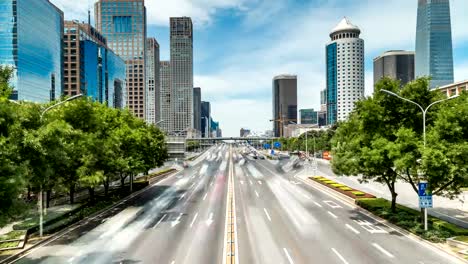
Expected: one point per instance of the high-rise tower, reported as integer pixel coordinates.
(284, 102)
(153, 113)
(434, 55)
(345, 71)
(123, 23)
(181, 38)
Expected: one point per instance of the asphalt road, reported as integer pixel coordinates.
(279, 219)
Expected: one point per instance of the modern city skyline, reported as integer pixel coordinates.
(32, 46)
(434, 53)
(181, 53)
(165, 95)
(308, 116)
(197, 108)
(345, 70)
(205, 119)
(123, 23)
(284, 94)
(153, 113)
(396, 64)
(90, 67)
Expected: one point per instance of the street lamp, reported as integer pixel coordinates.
(424, 111)
(41, 210)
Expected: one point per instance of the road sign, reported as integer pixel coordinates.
(425, 201)
(277, 145)
(422, 189)
(267, 146)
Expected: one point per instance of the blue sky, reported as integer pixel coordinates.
(239, 45)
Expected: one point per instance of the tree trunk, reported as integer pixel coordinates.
(29, 193)
(394, 197)
(72, 193)
(91, 194)
(106, 186)
(48, 194)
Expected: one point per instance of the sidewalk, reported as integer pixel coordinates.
(454, 211)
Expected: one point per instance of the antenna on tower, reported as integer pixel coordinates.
(89, 13)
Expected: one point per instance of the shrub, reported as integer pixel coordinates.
(9, 244)
(16, 234)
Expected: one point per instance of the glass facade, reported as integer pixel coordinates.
(434, 55)
(123, 23)
(284, 102)
(308, 116)
(103, 74)
(331, 83)
(32, 45)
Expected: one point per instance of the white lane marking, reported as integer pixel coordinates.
(377, 246)
(266, 212)
(210, 220)
(288, 256)
(339, 256)
(330, 213)
(242, 182)
(204, 197)
(191, 185)
(319, 205)
(260, 182)
(160, 220)
(306, 196)
(256, 193)
(182, 197)
(250, 182)
(173, 262)
(71, 259)
(194, 218)
(211, 183)
(177, 221)
(332, 204)
(352, 229)
(369, 227)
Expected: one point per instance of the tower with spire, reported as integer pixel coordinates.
(344, 70)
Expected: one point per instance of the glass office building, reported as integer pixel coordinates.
(90, 67)
(284, 102)
(434, 55)
(308, 116)
(31, 34)
(123, 23)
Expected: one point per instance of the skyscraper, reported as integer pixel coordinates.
(345, 70)
(90, 67)
(31, 37)
(284, 102)
(396, 64)
(206, 119)
(434, 55)
(165, 96)
(197, 108)
(123, 23)
(323, 100)
(153, 113)
(181, 38)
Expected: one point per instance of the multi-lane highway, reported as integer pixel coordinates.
(275, 215)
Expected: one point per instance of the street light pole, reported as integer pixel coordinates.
(424, 112)
(41, 194)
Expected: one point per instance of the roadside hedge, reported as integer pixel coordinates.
(409, 219)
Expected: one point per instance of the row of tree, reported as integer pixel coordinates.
(383, 139)
(318, 140)
(78, 145)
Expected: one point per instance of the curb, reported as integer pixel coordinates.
(17, 256)
(384, 221)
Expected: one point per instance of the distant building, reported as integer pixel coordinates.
(322, 118)
(219, 132)
(308, 116)
(90, 67)
(294, 130)
(284, 102)
(244, 132)
(31, 37)
(197, 108)
(152, 106)
(396, 64)
(123, 23)
(434, 54)
(181, 39)
(206, 119)
(454, 88)
(323, 100)
(165, 95)
(345, 71)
